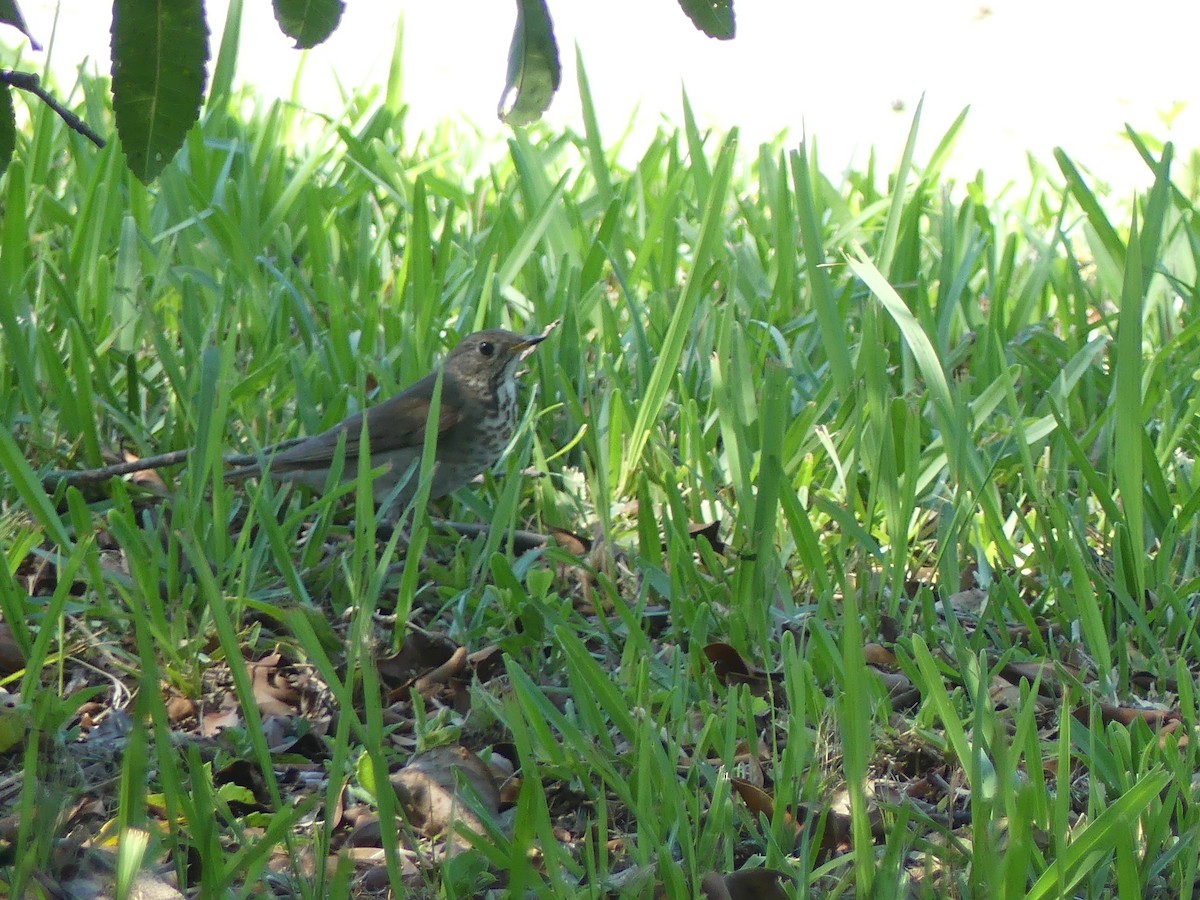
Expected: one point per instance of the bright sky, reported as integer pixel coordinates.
(1036, 73)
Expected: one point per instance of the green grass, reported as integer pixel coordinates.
(886, 388)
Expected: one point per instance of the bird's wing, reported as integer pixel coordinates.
(392, 425)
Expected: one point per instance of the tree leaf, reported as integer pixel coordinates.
(10, 14)
(159, 48)
(713, 17)
(534, 71)
(8, 127)
(308, 22)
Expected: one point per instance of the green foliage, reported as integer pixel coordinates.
(8, 127)
(159, 52)
(880, 388)
(10, 14)
(308, 22)
(534, 72)
(713, 17)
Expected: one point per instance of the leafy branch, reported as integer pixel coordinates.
(159, 52)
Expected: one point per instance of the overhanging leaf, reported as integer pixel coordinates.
(713, 17)
(308, 22)
(534, 71)
(8, 127)
(159, 48)
(10, 14)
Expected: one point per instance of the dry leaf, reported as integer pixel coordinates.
(900, 689)
(745, 884)
(575, 544)
(731, 669)
(443, 673)
(709, 531)
(1032, 670)
(180, 708)
(879, 655)
(272, 694)
(969, 602)
(146, 478)
(421, 654)
(228, 716)
(1127, 715)
(487, 663)
(11, 658)
(429, 790)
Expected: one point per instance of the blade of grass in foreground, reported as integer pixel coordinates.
(891, 229)
(591, 130)
(1091, 207)
(829, 317)
(1128, 427)
(1091, 846)
(854, 712)
(29, 489)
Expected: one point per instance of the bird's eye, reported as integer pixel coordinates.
(487, 348)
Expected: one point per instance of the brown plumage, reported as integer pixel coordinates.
(478, 414)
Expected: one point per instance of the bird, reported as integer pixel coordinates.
(476, 419)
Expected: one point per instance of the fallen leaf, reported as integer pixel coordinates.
(713, 887)
(228, 716)
(708, 531)
(146, 478)
(1004, 694)
(745, 884)
(901, 691)
(731, 669)
(11, 657)
(272, 694)
(889, 629)
(487, 663)
(429, 789)
(1033, 670)
(420, 654)
(1127, 715)
(573, 543)
(725, 660)
(969, 602)
(879, 655)
(442, 674)
(759, 802)
(180, 708)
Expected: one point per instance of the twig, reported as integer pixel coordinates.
(522, 541)
(116, 470)
(174, 458)
(28, 81)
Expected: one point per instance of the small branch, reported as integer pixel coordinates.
(522, 541)
(174, 458)
(27, 81)
(116, 470)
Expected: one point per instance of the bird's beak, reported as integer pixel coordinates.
(527, 345)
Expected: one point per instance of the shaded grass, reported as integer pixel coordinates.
(885, 388)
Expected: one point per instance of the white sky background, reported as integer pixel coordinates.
(1036, 73)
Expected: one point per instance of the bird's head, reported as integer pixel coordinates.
(489, 358)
